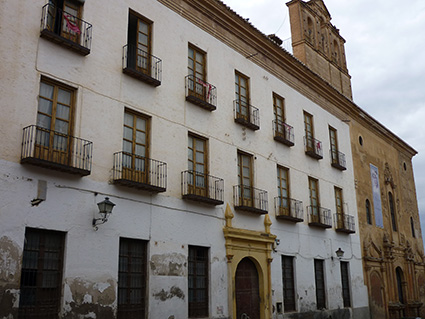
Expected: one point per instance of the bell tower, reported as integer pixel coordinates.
(318, 44)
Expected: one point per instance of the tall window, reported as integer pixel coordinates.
(319, 277)
(345, 282)
(64, 18)
(198, 282)
(132, 279)
(139, 40)
(314, 197)
(197, 73)
(279, 109)
(54, 121)
(368, 213)
(242, 96)
(288, 283)
(309, 133)
(392, 211)
(283, 189)
(334, 145)
(412, 226)
(399, 275)
(339, 201)
(41, 276)
(245, 177)
(135, 146)
(197, 164)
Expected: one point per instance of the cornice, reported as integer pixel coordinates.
(217, 19)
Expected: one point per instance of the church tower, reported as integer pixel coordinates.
(318, 44)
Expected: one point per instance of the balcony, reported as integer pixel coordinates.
(250, 199)
(246, 115)
(338, 160)
(283, 133)
(344, 223)
(201, 93)
(289, 209)
(201, 187)
(139, 172)
(319, 217)
(313, 147)
(141, 65)
(65, 29)
(55, 150)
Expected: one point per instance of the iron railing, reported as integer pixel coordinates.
(313, 147)
(142, 65)
(288, 208)
(344, 223)
(246, 114)
(139, 172)
(200, 92)
(56, 150)
(319, 216)
(65, 28)
(338, 159)
(283, 132)
(202, 187)
(250, 199)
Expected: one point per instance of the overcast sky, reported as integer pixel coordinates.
(385, 45)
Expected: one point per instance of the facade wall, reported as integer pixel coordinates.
(169, 224)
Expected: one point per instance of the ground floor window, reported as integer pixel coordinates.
(41, 276)
(132, 279)
(198, 281)
(345, 281)
(320, 283)
(288, 283)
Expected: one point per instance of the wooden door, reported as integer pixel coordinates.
(197, 162)
(245, 180)
(247, 290)
(143, 47)
(242, 97)
(71, 23)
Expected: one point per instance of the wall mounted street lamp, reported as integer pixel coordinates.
(105, 209)
(339, 253)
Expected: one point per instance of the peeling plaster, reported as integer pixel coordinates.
(173, 264)
(165, 295)
(87, 299)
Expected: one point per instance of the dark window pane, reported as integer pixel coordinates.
(198, 281)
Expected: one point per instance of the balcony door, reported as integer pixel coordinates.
(245, 180)
(197, 165)
(197, 77)
(135, 147)
(339, 209)
(64, 19)
(283, 190)
(242, 97)
(139, 43)
(308, 127)
(314, 200)
(54, 123)
(334, 145)
(279, 114)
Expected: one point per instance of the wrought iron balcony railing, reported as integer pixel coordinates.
(289, 209)
(319, 216)
(202, 187)
(139, 172)
(246, 115)
(283, 133)
(344, 223)
(201, 93)
(56, 150)
(338, 160)
(313, 147)
(250, 199)
(66, 29)
(142, 65)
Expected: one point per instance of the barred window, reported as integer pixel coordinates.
(198, 281)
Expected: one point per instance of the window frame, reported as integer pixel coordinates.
(129, 287)
(198, 309)
(308, 126)
(28, 282)
(288, 284)
(339, 207)
(345, 283)
(193, 186)
(133, 29)
(313, 181)
(333, 140)
(276, 107)
(240, 108)
(241, 177)
(193, 71)
(283, 176)
(319, 278)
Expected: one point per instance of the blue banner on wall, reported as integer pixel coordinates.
(377, 204)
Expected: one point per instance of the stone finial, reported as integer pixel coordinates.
(267, 223)
(228, 214)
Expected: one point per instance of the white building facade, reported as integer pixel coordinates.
(233, 188)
